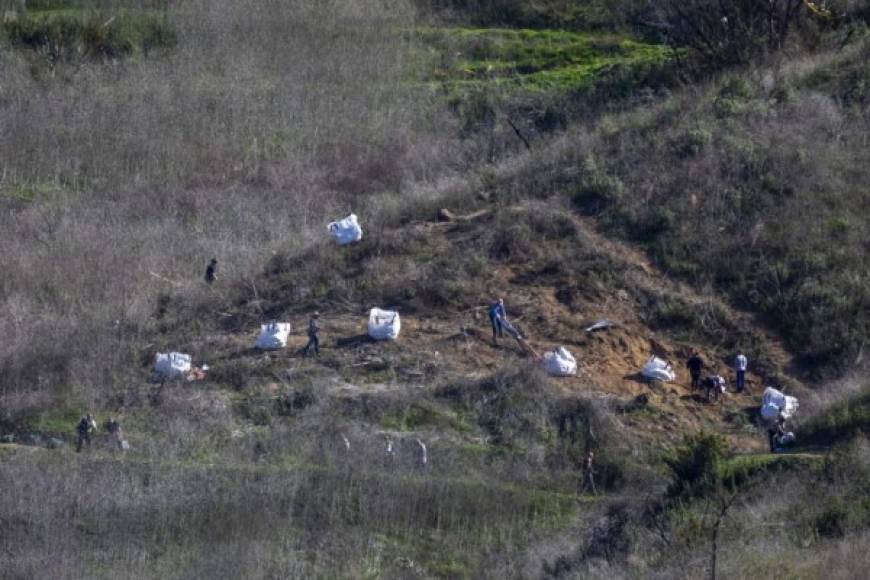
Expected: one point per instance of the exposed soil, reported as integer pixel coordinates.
(459, 344)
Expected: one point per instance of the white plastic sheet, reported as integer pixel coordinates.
(560, 363)
(273, 335)
(658, 370)
(384, 324)
(346, 231)
(774, 403)
(173, 365)
(602, 324)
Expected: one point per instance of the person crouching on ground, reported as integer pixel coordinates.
(715, 387)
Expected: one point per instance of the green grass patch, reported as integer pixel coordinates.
(66, 33)
(743, 467)
(538, 61)
(483, 450)
(30, 192)
(55, 421)
(413, 417)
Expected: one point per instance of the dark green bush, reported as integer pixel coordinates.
(695, 464)
(842, 421)
(841, 515)
(69, 34)
(597, 192)
(692, 142)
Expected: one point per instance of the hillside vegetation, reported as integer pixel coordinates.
(583, 160)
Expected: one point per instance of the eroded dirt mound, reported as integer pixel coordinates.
(553, 298)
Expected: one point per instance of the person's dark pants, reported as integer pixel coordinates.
(497, 331)
(83, 438)
(741, 381)
(589, 483)
(696, 379)
(772, 437)
(313, 341)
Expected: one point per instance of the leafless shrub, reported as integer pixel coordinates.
(733, 32)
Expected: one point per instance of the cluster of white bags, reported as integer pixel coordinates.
(171, 366)
(559, 363)
(273, 335)
(346, 231)
(657, 369)
(384, 324)
(775, 403)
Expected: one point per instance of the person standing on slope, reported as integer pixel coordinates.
(84, 428)
(740, 364)
(589, 474)
(211, 271)
(497, 316)
(695, 365)
(313, 335)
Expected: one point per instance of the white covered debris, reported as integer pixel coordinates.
(346, 231)
(559, 363)
(384, 324)
(658, 370)
(170, 366)
(774, 403)
(273, 335)
(602, 324)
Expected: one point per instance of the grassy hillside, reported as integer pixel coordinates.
(586, 173)
(752, 186)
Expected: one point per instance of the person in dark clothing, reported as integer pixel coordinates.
(211, 271)
(497, 316)
(84, 430)
(113, 428)
(775, 433)
(695, 365)
(313, 338)
(714, 385)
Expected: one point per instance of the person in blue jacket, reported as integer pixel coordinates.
(497, 316)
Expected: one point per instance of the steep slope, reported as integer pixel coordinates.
(556, 282)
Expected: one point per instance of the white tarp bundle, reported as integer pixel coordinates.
(658, 370)
(273, 335)
(602, 324)
(560, 363)
(174, 365)
(384, 324)
(346, 231)
(774, 403)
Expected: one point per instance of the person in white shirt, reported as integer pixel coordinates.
(740, 364)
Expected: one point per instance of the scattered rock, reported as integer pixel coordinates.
(54, 443)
